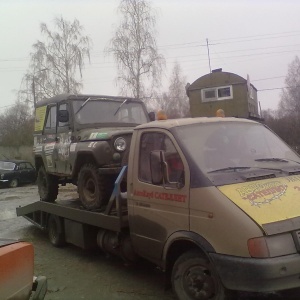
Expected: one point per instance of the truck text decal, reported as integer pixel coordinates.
(160, 196)
(265, 193)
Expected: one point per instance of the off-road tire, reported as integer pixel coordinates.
(94, 189)
(56, 232)
(47, 186)
(13, 183)
(194, 277)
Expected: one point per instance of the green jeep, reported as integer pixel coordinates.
(84, 140)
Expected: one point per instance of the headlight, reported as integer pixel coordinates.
(272, 246)
(120, 144)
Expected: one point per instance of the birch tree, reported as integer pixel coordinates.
(57, 61)
(134, 48)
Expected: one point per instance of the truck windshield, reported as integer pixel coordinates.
(106, 111)
(235, 147)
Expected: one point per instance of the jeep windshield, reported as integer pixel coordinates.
(231, 152)
(108, 111)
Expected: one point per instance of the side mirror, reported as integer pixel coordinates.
(63, 116)
(156, 167)
(151, 116)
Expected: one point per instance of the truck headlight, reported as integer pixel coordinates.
(272, 246)
(120, 144)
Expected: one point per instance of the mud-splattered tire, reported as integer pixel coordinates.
(194, 277)
(56, 232)
(94, 189)
(13, 183)
(47, 186)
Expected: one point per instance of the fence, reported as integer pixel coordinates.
(22, 152)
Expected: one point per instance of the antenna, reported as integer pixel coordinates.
(208, 55)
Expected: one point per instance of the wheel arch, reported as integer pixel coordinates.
(82, 158)
(38, 161)
(179, 243)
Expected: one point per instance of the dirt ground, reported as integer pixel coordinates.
(73, 273)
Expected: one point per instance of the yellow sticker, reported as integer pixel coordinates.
(40, 114)
(268, 200)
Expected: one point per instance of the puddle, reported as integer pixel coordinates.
(7, 214)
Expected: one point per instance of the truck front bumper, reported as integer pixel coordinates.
(258, 275)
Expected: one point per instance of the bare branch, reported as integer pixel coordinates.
(134, 48)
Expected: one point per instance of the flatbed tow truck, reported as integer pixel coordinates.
(213, 202)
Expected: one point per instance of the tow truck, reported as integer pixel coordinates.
(213, 202)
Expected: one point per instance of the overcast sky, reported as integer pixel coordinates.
(256, 37)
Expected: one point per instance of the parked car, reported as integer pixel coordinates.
(16, 172)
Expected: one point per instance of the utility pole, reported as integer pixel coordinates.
(33, 85)
(33, 91)
(208, 55)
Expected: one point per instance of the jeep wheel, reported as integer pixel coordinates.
(47, 186)
(94, 189)
(194, 277)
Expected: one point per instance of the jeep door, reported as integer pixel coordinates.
(49, 138)
(63, 141)
(156, 210)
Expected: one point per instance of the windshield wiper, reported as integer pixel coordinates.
(272, 159)
(120, 106)
(229, 169)
(82, 105)
(276, 159)
(244, 168)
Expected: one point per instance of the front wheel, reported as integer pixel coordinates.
(194, 278)
(94, 189)
(13, 183)
(47, 186)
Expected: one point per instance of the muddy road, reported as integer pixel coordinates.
(74, 274)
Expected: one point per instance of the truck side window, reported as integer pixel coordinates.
(159, 141)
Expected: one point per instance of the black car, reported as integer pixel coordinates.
(15, 172)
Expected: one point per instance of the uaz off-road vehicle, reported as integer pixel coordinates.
(83, 139)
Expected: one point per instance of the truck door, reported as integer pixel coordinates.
(157, 211)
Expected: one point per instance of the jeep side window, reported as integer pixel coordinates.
(51, 119)
(63, 107)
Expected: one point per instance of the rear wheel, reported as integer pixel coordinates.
(194, 277)
(47, 186)
(13, 183)
(94, 189)
(56, 231)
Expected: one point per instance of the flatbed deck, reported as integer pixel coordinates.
(113, 217)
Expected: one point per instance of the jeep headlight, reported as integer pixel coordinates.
(120, 144)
